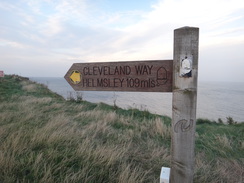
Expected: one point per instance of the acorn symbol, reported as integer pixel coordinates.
(161, 76)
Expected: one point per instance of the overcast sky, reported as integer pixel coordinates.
(44, 37)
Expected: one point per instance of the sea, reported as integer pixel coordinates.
(215, 100)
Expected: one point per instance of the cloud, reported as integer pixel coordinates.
(67, 31)
(52, 26)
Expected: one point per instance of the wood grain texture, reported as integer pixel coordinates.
(136, 76)
(185, 66)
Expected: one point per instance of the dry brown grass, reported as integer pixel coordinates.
(90, 144)
(29, 87)
(45, 140)
(87, 140)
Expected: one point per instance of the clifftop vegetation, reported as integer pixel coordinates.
(44, 138)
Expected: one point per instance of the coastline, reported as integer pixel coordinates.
(79, 141)
(216, 100)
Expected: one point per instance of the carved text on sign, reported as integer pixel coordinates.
(155, 76)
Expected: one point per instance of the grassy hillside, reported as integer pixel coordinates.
(44, 138)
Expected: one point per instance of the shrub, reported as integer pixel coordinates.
(220, 121)
(230, 120)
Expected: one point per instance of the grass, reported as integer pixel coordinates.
(44, 138)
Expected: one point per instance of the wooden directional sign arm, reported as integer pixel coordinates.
(179, 76)
(137, 76)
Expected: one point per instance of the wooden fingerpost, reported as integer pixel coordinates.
(185, 71)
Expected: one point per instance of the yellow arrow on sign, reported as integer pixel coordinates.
(75, 77)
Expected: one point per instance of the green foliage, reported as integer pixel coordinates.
(9, 86)
(230, 120)
(220, 121)
(206, 121)
(44, 138)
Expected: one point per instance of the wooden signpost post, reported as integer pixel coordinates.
(178, 76)
(185, 72)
